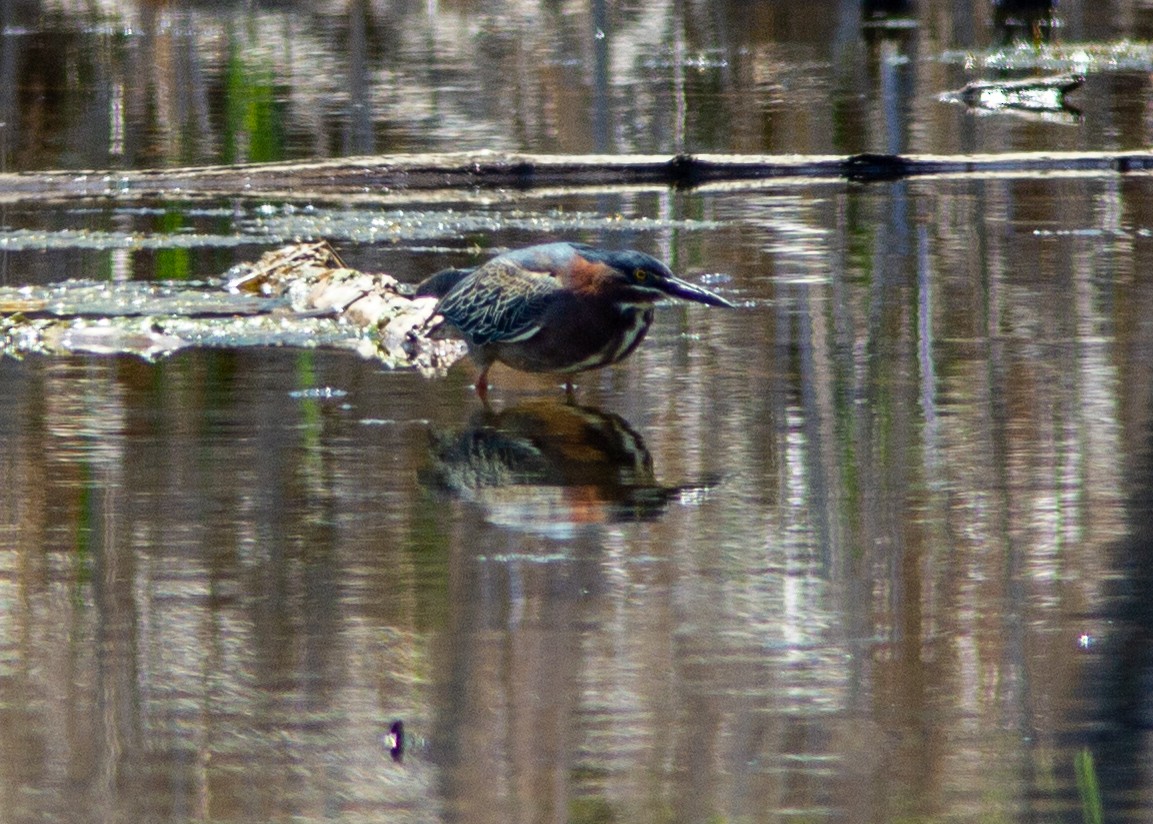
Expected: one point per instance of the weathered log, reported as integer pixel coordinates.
(301, 295)
(374, 177)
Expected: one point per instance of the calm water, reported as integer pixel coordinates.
(873, 547)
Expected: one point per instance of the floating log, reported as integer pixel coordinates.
(1044, 91)
(1042, 97)
(376, 177)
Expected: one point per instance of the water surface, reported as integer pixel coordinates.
(870, 547)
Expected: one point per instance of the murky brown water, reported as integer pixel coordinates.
(874, 546)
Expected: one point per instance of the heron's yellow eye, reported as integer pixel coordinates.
(640, 275)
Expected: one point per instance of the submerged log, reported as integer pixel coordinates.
(375, 177)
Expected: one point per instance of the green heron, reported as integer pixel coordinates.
(557, 307)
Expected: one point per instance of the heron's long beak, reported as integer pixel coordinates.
(677, 288)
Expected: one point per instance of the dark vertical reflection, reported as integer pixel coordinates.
(9, 83)
(602, 115)
(359, 136)
(894, 60)
(1024, 20)
(1118, 679)
(881, 9)
(963, 17)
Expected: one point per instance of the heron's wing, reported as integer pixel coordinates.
(499, 302)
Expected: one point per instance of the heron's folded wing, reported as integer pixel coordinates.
(500, 302)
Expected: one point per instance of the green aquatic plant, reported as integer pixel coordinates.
(1088, 787)
(254, 121)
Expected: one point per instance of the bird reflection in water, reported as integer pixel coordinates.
(551, 468)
